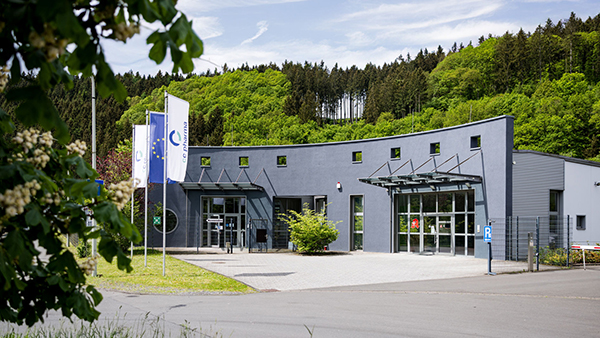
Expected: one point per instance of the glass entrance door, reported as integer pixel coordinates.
(444, 231)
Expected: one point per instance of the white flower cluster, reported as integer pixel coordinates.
(88, 265)
(29, 138)
(52, 46)
(50, 198)
(121, 192)
(3, 78)
(14, 200)
(124, 31)
(78, 147)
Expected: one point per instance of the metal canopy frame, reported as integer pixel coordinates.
(222, 186)
(427, 178)
(430, 178)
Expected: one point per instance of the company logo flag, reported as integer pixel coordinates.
(140, 156)
(177, 145)
(157, 143)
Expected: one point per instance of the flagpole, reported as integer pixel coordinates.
(94, 240)
(146, 193)
(132, 176)
(165, 177)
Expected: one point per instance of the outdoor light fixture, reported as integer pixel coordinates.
(432, 187)
(597, 184)
(468, 185)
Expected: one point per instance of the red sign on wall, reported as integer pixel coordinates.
(415, 224)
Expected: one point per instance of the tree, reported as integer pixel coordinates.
(45, 188)
(310, 231)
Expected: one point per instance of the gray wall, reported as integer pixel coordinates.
(315, 169)
(534, 175)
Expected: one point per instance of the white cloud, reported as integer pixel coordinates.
(207, 27)
(263, 26)
(195, 6)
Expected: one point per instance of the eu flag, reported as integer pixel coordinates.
(157, 147)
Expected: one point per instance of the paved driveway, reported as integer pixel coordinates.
(290, 271)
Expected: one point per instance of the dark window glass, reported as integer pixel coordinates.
(429, 202)
(459, 202)
(470, 200)
(395, 153)
(357, 156)
(445, 202)
(415, 203)
(434, 148)
(244, 161)
(580, 222)
(475, 142)
(402, 203)
(281, 160)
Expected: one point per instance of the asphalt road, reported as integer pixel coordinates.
(564, 303)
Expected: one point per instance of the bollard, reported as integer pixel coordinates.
(529, 252)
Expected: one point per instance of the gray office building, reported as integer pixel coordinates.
(426, 192)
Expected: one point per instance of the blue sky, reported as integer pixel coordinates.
(346, 32)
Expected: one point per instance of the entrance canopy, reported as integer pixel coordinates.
(427, 178)
(223, 186)
(220, 186)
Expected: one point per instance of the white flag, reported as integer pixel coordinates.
(140, 155)
(178, 135)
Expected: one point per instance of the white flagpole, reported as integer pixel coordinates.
(146, 193)
(165, 178)
(133, 176)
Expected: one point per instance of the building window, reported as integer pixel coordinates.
(244, 162)
(357, 208)
(434, 148)
(475, 142)
(554, 202)
(395, 153)
(205, 161)
(357, 156)
(580, 222)
(281, 161)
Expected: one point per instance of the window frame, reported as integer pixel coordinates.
(284, 157)
(356, 155)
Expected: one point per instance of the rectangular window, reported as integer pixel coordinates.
(434, 148)
(395, 153)
(244, 161)
(357, 156)
(281, 161)
(554, 201)
(580, 222)
(475, 142)
(205, 161)
(357, 222)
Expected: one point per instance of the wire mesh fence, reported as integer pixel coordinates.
(551, 237)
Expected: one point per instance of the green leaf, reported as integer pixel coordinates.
(159, 50)
(38, 109)
(166, 10)
(33, 217)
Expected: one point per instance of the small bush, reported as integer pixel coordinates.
(84, 249)
(310, 231)
(553, 256)
(590, 256)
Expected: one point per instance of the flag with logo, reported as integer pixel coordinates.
(177, 145)
(157, 143)
(140, 156)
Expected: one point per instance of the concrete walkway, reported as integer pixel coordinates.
(290, 271)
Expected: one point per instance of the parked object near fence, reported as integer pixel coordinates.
(583, 248)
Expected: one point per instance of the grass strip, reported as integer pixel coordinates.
(180, 277)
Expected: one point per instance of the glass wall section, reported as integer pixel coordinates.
(436, 222)
(223, 220)
(357, 222)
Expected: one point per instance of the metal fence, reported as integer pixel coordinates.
(551, 238)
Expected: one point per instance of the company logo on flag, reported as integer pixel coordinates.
(178, 138)
(140, 145)
(177, 152)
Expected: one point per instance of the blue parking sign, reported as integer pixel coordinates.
(487, 233)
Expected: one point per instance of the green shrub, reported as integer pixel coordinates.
(553, 256)
(310, 231)
(84, 249)
(590, 256)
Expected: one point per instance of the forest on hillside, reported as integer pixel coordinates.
(548, 79)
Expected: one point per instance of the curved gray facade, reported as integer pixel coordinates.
(477, 156)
